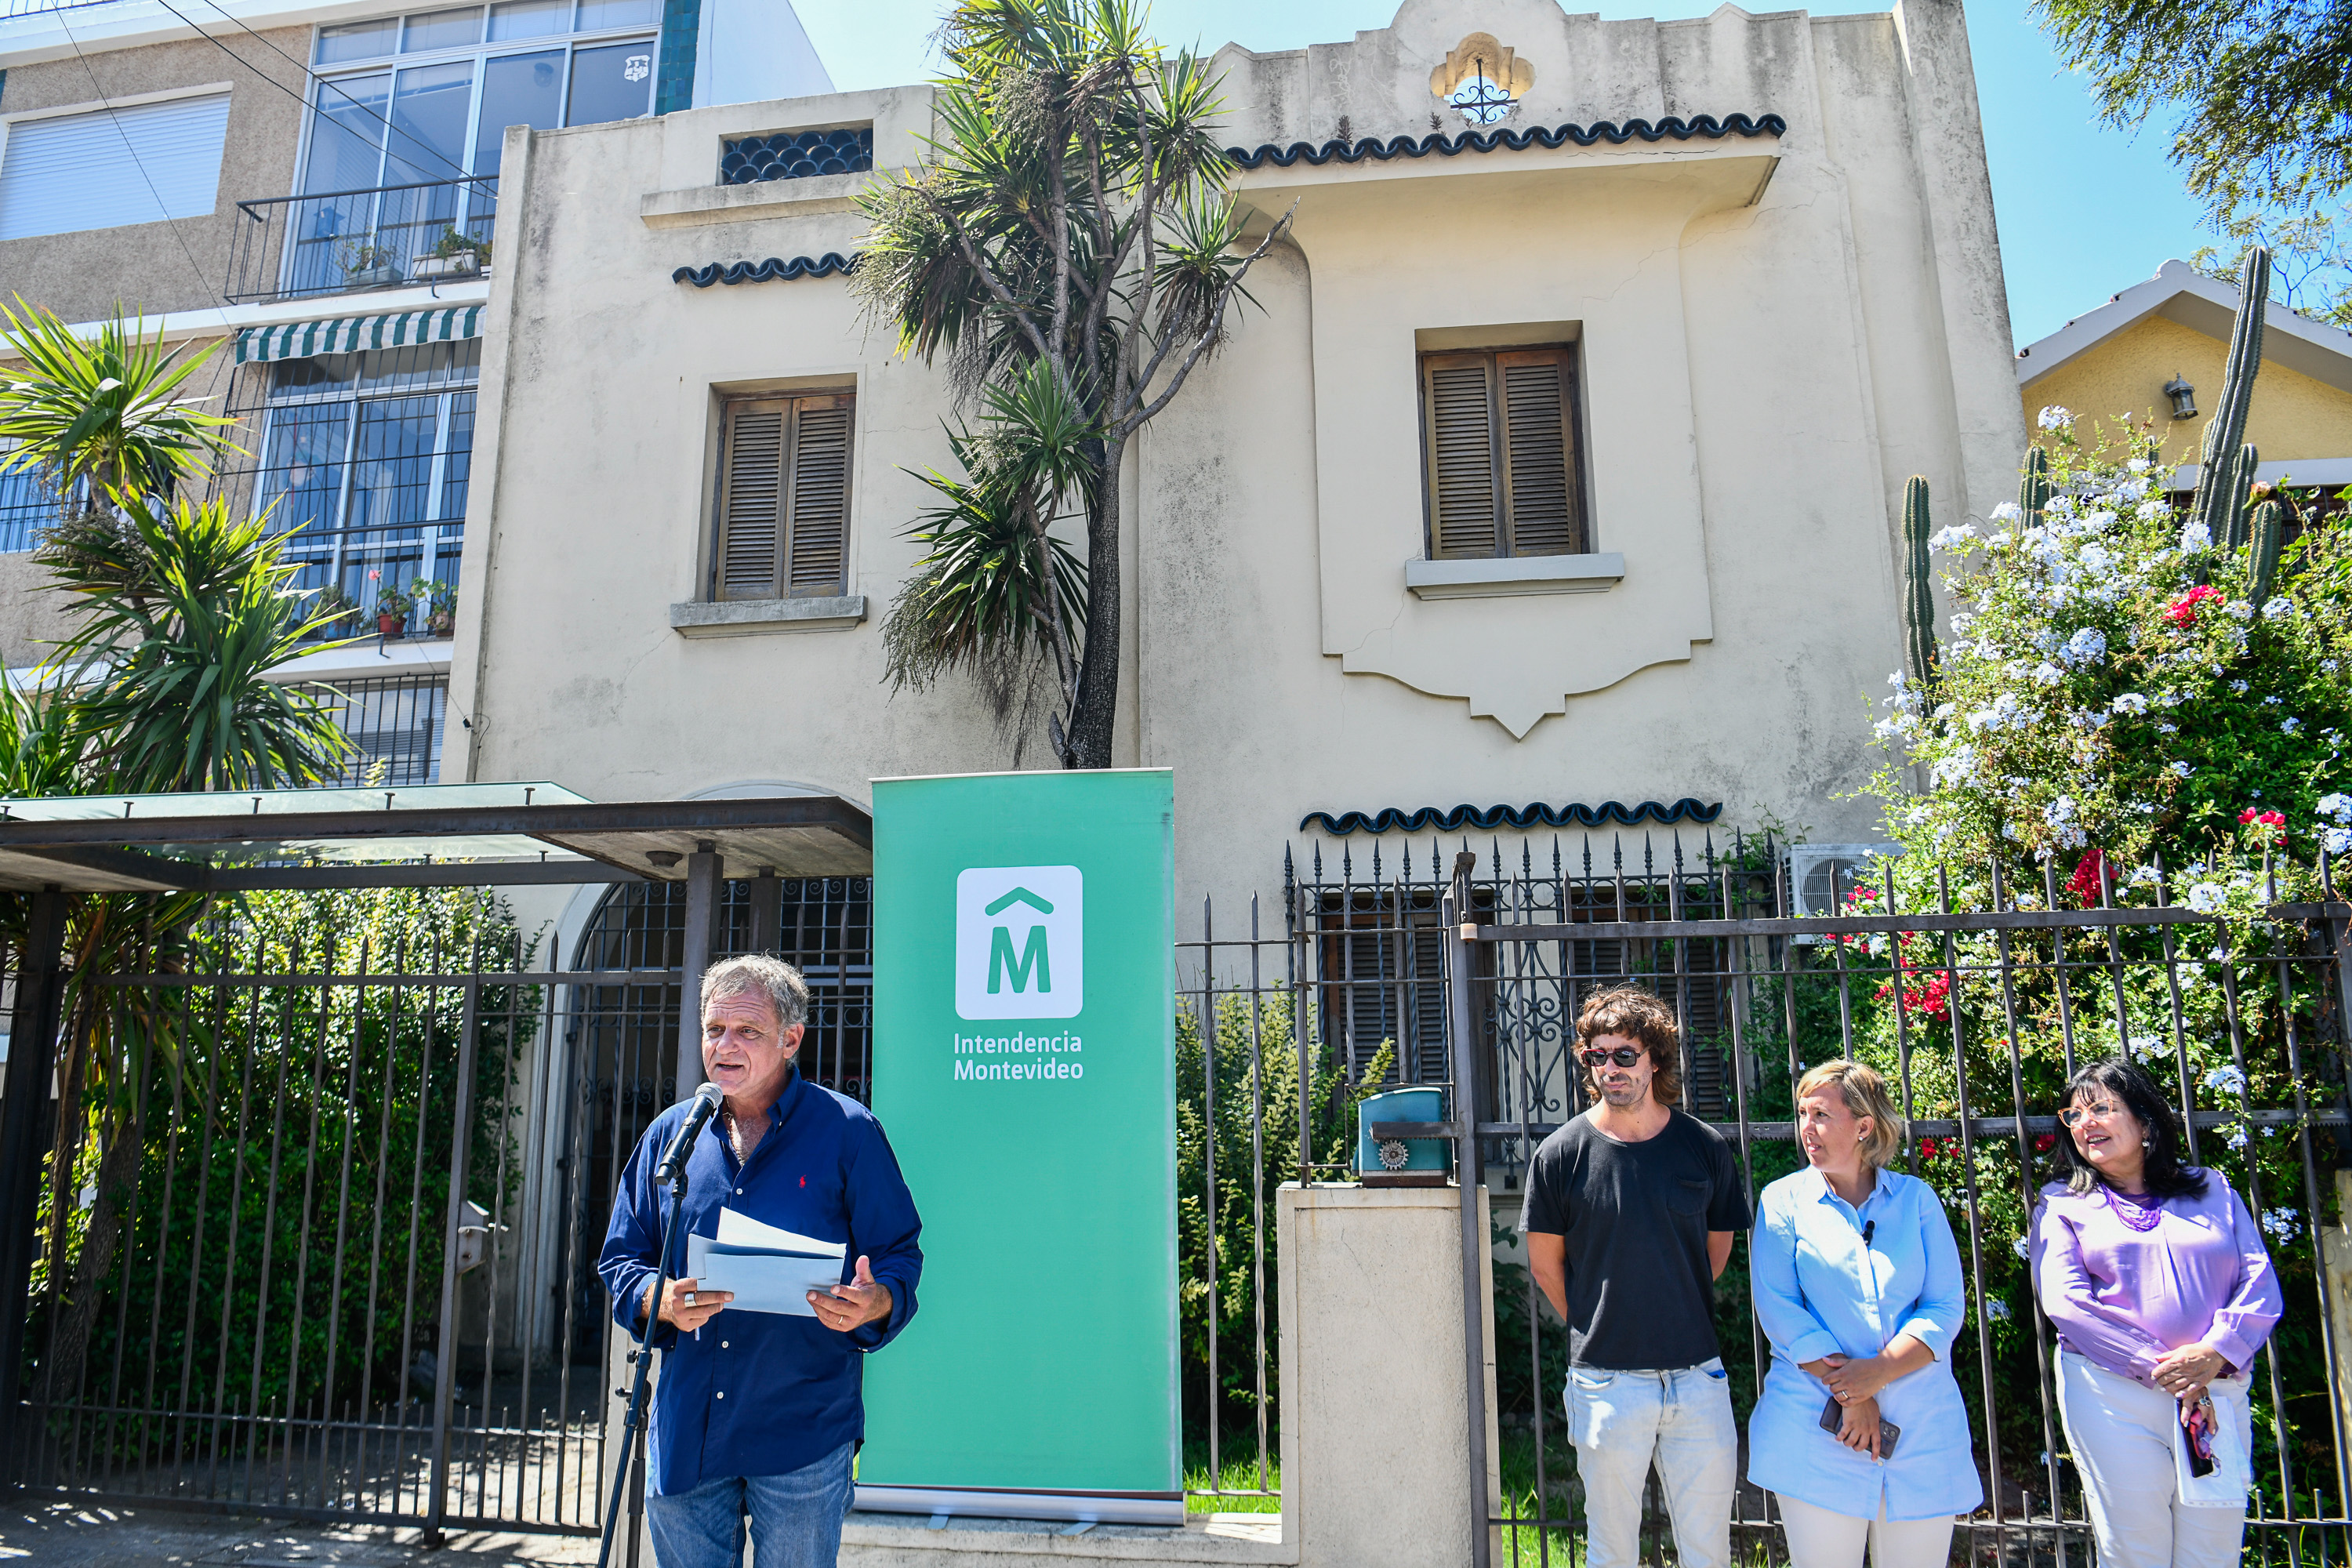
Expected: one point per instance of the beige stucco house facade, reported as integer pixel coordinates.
(1770, 323)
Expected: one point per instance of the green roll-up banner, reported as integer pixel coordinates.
(1024, 1070)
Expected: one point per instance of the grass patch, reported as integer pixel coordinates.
(1239, 1474)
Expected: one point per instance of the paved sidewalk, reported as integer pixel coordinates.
(71, 1535)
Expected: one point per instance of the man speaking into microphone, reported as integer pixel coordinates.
(759, 1413)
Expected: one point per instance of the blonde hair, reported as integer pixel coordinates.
(1865, 1095)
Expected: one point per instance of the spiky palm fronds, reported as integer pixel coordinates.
(170, 666)
(996, 590)
(107, 410)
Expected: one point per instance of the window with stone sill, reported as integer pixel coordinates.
(1503, 471)
(784, 497)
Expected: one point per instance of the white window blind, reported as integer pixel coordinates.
(142, 163)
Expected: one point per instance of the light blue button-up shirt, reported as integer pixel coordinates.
(1821, 1290)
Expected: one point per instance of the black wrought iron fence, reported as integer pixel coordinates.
(1977, 1015)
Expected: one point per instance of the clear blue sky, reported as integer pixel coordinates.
(2083, 211)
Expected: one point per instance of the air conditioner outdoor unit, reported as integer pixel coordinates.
(1822, 877)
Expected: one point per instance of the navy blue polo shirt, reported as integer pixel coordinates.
(764, 1393)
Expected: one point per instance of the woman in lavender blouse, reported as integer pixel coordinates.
(2157, 1279)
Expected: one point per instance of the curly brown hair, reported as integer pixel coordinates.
(1637, 1016)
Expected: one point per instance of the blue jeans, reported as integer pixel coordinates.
(795, 1518)
(1622, 1422)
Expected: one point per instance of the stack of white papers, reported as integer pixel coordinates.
(767, 1269)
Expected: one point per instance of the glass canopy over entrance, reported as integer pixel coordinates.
(425, 835)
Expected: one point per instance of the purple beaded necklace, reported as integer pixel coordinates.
(2137, 1211)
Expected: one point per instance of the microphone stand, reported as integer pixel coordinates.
(628, 1469)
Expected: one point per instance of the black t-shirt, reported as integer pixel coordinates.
(1635, 1217)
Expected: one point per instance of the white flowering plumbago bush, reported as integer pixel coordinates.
(2108, 685)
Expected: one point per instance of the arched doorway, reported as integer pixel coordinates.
(622, 1036)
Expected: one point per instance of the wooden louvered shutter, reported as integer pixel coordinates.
(751, 498)
(783, 498)
(817, 533)
(1466, 513)
(1541, 504)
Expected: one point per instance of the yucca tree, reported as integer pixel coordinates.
(183, 610)
(169, 666)
(106, 414)
(995, 583)
(1071, 250)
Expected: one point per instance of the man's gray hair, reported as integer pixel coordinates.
(757, 975)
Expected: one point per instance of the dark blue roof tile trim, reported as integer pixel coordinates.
(1391, 819)
(1672, 127)
(774, 269)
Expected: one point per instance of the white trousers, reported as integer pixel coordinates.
(1820, 1539)
(1622, 1422)
(2122, 1435)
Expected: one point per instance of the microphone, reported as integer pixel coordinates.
(672, 1160)
(1867, 1226)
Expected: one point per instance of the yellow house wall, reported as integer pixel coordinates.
(2292, 417)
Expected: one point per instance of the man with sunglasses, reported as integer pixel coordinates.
(1630, 1213)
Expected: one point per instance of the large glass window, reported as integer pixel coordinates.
(365, 463)
(419, 106)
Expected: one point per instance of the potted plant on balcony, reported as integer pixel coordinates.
(438, 600)
(334, 602)
(392, 608)
(456, 255)
(368, 266)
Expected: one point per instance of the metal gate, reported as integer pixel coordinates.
(335, 1290)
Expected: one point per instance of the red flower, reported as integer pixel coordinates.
(2084, 883)
(2045, 1143)
(1932, 998)
(1928, 1147)
(2182, 612)
(2262, 826)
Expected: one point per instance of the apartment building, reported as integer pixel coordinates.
(312, 192)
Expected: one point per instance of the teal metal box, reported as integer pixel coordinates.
(1427, 1154)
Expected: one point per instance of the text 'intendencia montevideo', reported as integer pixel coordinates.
(1056, 1050)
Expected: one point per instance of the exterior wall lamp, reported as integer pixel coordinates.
(2183, 395)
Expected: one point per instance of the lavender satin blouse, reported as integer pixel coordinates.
(2123, 1297)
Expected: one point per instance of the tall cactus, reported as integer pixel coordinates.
(2227, 428)
(2034, 489)
(1919, 591)
(2268, 532)
(2236, 488)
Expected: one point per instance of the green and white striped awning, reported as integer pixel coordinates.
(354, 334)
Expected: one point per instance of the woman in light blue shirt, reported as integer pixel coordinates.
(1857, 1283)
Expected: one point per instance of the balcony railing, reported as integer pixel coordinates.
(368, 562)
(338, 242)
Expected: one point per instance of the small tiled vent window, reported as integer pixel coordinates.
(1499, 447)
(797, 155)
(784, 497)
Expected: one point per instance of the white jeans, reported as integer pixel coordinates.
(1623, 1421)
(1820, 1539)
(2121, 1433)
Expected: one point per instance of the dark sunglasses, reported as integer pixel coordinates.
(1624, 1056)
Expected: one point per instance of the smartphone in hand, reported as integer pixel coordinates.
(1833, 1421)
(2198, 1424)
